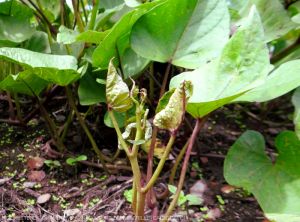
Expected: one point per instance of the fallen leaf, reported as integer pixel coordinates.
(29, 184)
(36, 175)
(199, 188)
(214, 214)
(204, 160)
(43, 198)
(71, 212)
(227, 189)
(4, 180)
(35, 163)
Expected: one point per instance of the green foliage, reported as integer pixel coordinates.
(168, 39)
(74, 160)
(15, 25)
(190, 198)
(108, 49)
(243, 62)
(276, 186)
(280, 81)
(226, 60)
(41, 68)
(128, 194)
(52, 164)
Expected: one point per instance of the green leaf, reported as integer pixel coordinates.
(120, 117)
(243, 64)
(15, 23)
(195, 35)
(107, 48)
(50, 8)
(91, 36)
(170, 117)
(131, 63)
(133, 3)
(130, 132)
(38, 42)
(56, 69)
(66, 36)
(280, 81)
(128, 194)
(81, 158)
(90, 92)
(74, 160)
(275, 18)
(29, 59)
(172, 188)
(296, 103)
(276, 186)
(19, 83)
(117, 92)
(164, 100)
(194, 200)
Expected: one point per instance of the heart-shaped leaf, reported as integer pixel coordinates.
(15, 25)
(275, 186)
(39, 67)
(90, 91)
(131, 63)
(275, 18)
(243, 64)
(107, 48)
(282, 80)
(195, 35)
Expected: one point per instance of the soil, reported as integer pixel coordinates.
(85, 193)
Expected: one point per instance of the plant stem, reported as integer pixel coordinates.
(139, 131)
(154, 134)
(52, 128)
(62, 12)
(139, 211)
(84, 11)
(118, 131)
(77, 16)
(11, 109)
(160, 164)
(165, 80)
(67, 124)
(18, 107)
(183, 171)
(134, 196)
(94, 14)
(151, 82)
(100, 155)
(177, 162)
(41, 12)
(276, 58)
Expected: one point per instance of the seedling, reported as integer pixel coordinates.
(190, 198)
(73, 161)
(52, 164)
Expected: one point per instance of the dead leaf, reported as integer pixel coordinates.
(35, 163)
(43, 198)
(36, 175)
(227, 189)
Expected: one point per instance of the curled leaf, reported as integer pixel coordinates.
(170, 113)
(117, 92)
(130, 131)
